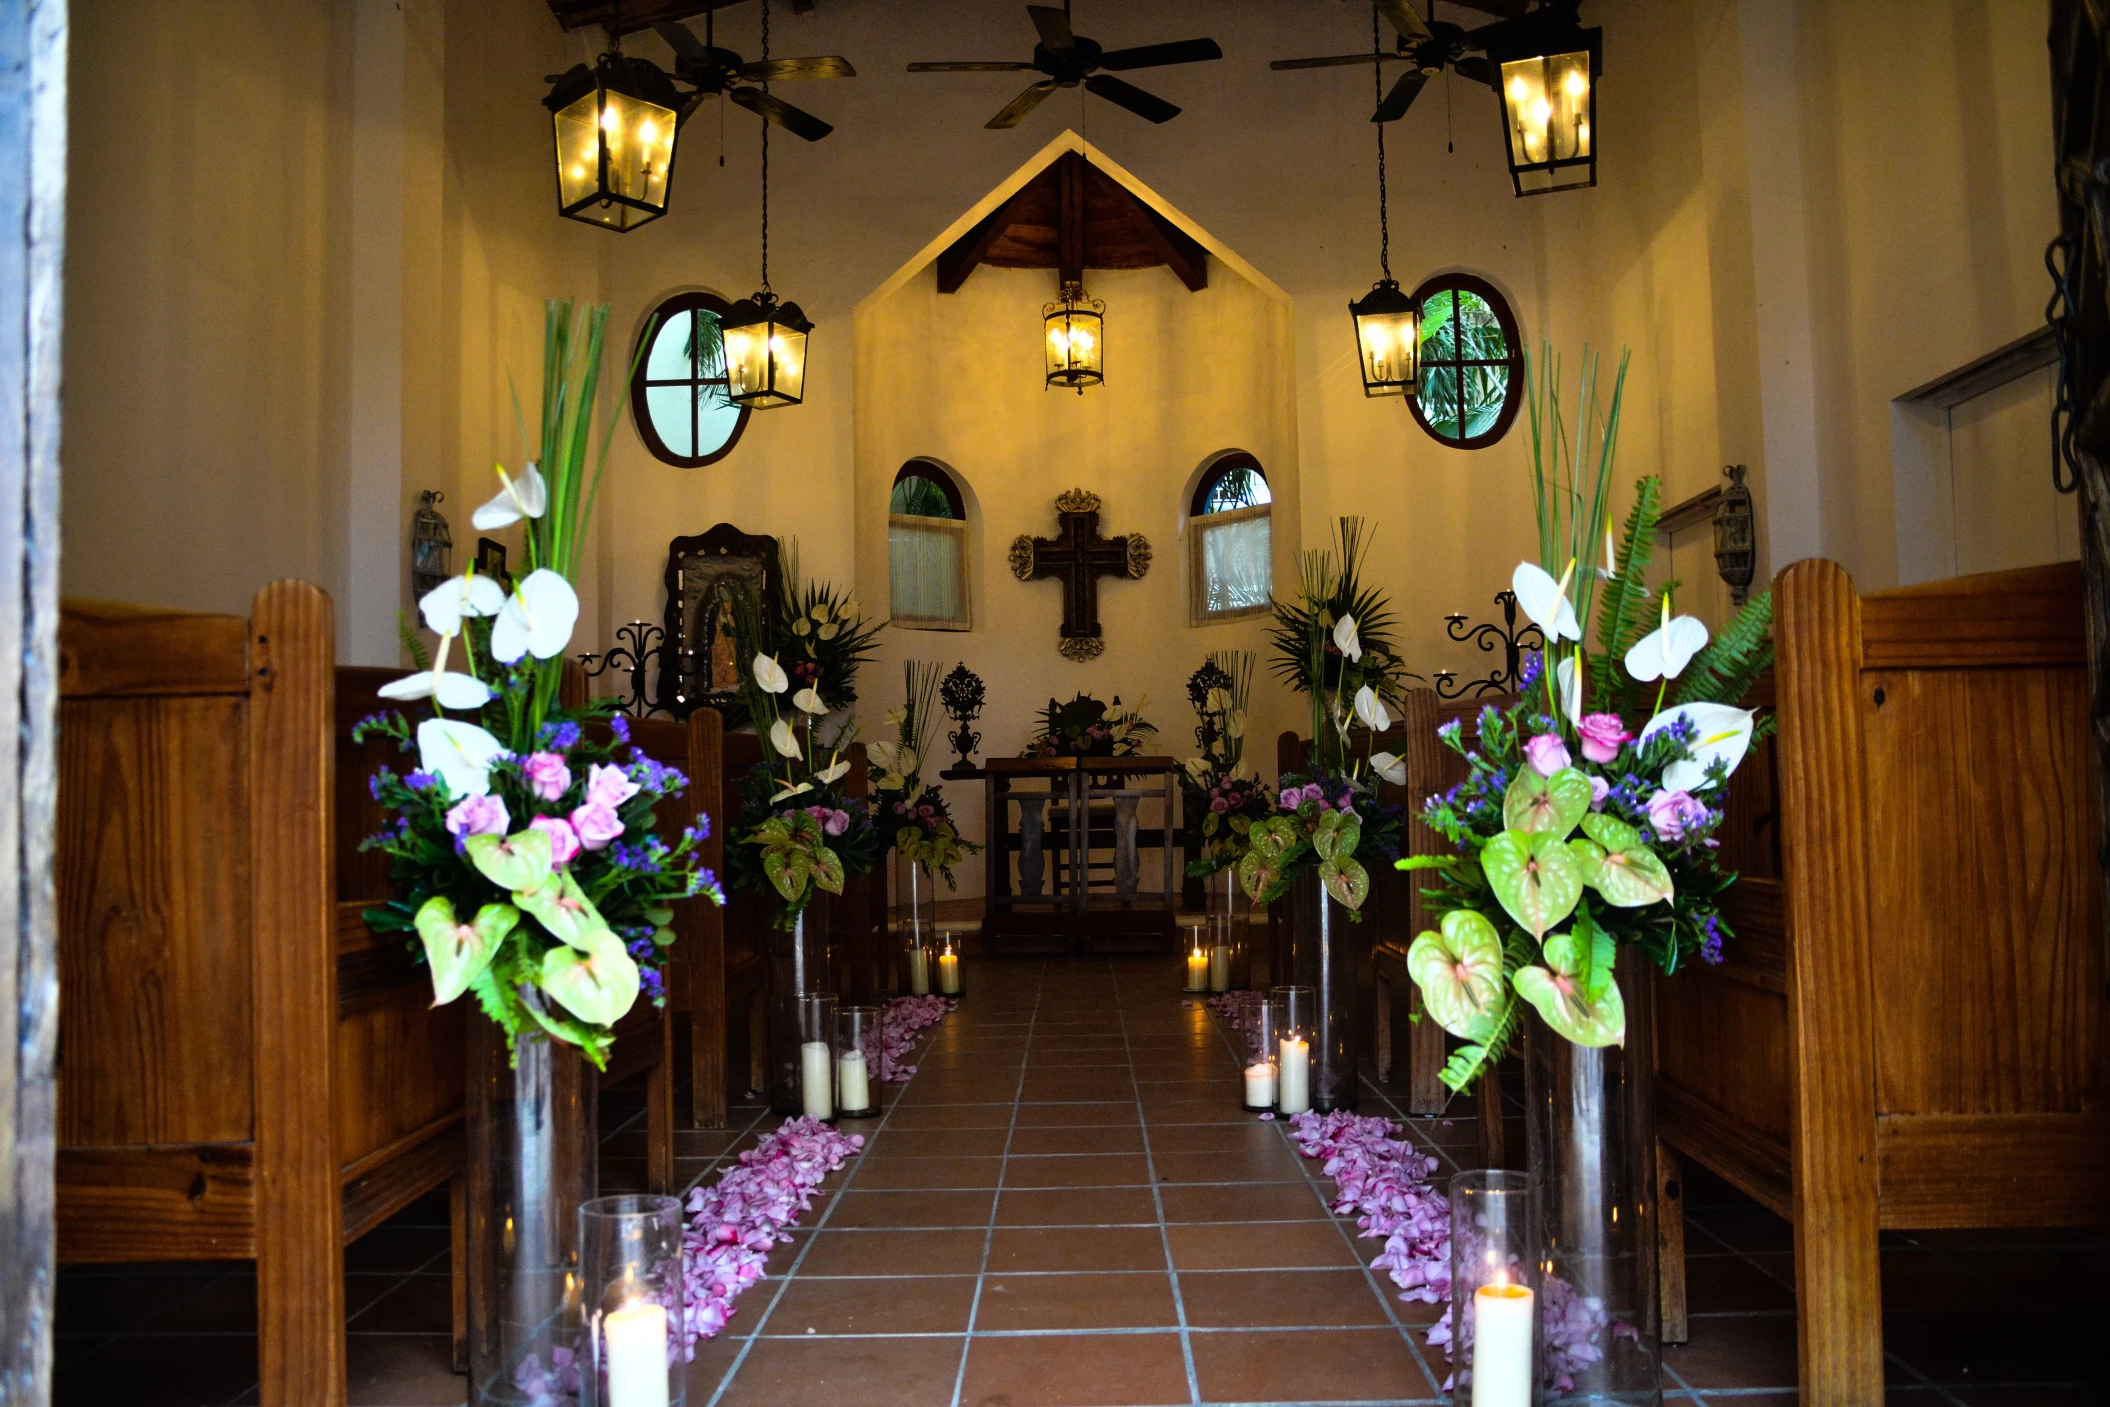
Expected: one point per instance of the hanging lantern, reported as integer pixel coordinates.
(1548, 87)
(1076, 328)
(765, 352)
(1736, 535)
(615, 123)
(1387, 331)
(431, 545)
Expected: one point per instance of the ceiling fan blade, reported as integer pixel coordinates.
(782, 70)
(1401, 97)
(684, 44)
(1015, 111)
(1054, 27)
(1147, 106)
(1401, 15)
(1503, 9)
(1337, 61)
(1179, 51)
(797, 121)
(1476, 68)
(994, 66)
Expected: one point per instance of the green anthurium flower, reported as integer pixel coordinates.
(516, 862)
(1459, 972)
(598, 985)
(1336, 835)
(1618, 863)
(458, 953)
(1346, 880)
(1549, 805)
(562, 908)
(1535, 876)
(1559, 992)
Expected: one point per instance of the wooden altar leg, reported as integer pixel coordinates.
(1670, 1242)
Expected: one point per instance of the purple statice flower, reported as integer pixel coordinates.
(639, 948)
(700, 831)
(379, 780)
(1534, 665)
(419, 780)
(620, 726)
(652, 776)
(558, 737)
(638, 858)
(1450, 732)
(701, 881)
(1711, 947)
(652, 985)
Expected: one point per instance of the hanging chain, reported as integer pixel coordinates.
(765, 155)
(1384, 212)
(2059, 263)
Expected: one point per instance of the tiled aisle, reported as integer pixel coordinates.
(1066, 1207)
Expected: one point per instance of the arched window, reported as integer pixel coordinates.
(927, 549)
(1472, 362)
(677, 395)
(1232, 557)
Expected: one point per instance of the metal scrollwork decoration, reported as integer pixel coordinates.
(2060, 262)
(1736, 535)
(1512, 640)
(961, 693)
(642, 643)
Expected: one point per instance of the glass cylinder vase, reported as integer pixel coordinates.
(857, 1062)
(802, 1080)
(532, 1164)
(801, 958)
(630, 1284)
(1230, 915)
(1325, 962)
(1590, 1136)
(914, 919)
(1292, 1010)
(1497, 1251)
(1262, 1052)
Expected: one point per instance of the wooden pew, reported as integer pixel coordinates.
(245, 1072)
(1910, 1031)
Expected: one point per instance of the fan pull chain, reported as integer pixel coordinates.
(1384, 210)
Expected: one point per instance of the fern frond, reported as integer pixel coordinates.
(1725, 671)
(420, 658)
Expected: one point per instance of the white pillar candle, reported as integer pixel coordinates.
(1503, 1316)
(816, 1080)
(634, 1338)
(1220, 968)
(1295, 1062)
(918, 972)
(856, 1091)
(949, 974)
(1197, 971)
(1260, 1085)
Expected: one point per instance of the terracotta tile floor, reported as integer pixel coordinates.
(1066, 1207)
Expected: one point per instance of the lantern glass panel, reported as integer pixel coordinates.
(1546, 103)
(1076, 346)
(765, 364)
(1388, 341)
(614, 153)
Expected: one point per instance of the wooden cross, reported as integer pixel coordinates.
(1079, 556)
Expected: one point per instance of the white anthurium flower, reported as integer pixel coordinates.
(1567, 678)
(832, 771)
(1546, 601)
(770, 675)
(1218, 701)
(1392, 769)
(1234, 723)
(460, 754)
(1664, 652)
(896, 717)
(1610, 570)
(1346, 640)
(452, 688)
(537, 619)
(524, 497)
(906, 762)
(799, 790)
(1719, 731)
(1371, 709)
(470, 595)
(1197, 768)
(881, 756)
(782, 738)
(808, 700)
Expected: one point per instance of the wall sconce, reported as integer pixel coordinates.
(1076, 328)
(1548, 87)
(615, 125)
(1736, 534)
(431, 545)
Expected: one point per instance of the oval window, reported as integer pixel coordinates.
(1472, 362)
(678, 396)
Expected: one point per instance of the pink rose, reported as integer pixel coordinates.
(478, 815)
(596, 824)
(1672, 813)
(563, 840)
(1546, 753)
(546, 774)
(609, 786)
(1599, 790)
(1602, 735)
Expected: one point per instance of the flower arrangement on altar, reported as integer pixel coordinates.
(1586, 825)
(915, 819)
(523, 847)
(1229, 801)
(798, 830)
(821, 636)
(1332, 644)
(1085, 727)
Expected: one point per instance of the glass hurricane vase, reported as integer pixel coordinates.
(1590, 1135)
(914, 920)
(1324, 961)
(801, 959)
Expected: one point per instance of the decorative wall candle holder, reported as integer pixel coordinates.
(1294, 1012)
(946, 966)
(1497, 1259)
(915, 924)
(814, 1070)
(857, 1057)
(1194, 939)
(1262, 1079)
(630, 1288)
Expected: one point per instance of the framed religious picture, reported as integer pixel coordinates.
(491, 561)
(703, 575)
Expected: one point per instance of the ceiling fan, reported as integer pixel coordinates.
(1431, 45)
(1069, 59)
(716, 72)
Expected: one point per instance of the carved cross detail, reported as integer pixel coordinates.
(1078, 556)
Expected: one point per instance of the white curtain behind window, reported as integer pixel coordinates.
(1237, 573)
(925, 561)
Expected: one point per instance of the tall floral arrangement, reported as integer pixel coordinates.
(1332, 643)
(1229, 800)
(1586, 824)
(1086, 727)
(913, 818)
(522, 843)
(822, 637)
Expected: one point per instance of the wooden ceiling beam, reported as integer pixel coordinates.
(958, 259)
(1181, 252)
(629, 15)
(1072, 218)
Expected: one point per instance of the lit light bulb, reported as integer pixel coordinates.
(1518, 90)
(1575, 83)
(1541, 113)
(611, 121)
(647, 132)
